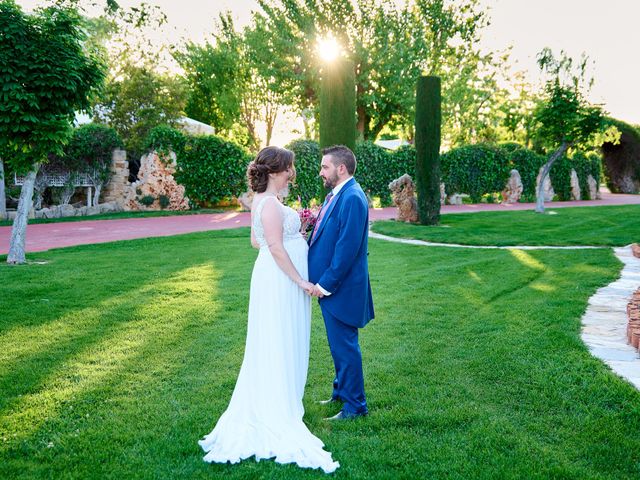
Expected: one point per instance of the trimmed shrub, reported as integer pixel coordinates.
(374, 170)
(164, 201)
(510, 146)
(586, 164)
(211, 169)
(476, 170)
(337, 102)
(308, 184)
(528, 164)
(147, 200)
(428, 126)
(377, 167)
(561, 178)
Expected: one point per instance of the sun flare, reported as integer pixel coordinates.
(328, 48)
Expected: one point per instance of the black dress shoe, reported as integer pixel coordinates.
(329, 402)
(341, 415)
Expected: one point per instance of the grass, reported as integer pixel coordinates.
(117, 215)
(605, 226)
(116, 358)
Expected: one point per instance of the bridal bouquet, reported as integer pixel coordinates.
(308, 218)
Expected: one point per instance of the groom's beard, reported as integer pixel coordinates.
(331, 182)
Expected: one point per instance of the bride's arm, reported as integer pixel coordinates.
(272, 223)
(254, 242)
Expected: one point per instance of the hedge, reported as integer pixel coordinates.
(377, 167)
(210, 168)
(475, 170)
(308, 184)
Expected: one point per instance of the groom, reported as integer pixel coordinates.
(338, 267)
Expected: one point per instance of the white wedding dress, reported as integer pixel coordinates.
(264, 417)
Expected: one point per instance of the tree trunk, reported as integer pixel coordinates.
(97, 189)
(19, 229)
(3, 195)
(545, 172)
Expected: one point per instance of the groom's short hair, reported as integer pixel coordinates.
(341, 155)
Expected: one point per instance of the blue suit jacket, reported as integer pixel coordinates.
(338, 257)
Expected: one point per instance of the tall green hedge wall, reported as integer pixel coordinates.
(212, 169)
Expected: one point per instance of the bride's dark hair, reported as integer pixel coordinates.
(269, 160)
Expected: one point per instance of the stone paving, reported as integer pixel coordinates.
(604, 324)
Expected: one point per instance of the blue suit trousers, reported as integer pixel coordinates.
(348, 385)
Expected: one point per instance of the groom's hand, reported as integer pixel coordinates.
(316, 292)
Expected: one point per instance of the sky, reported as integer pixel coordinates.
(607, 31)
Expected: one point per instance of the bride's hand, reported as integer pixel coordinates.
(306, 286)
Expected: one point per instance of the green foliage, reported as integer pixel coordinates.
(164, 138)
(308, 185)
(583, 164)
(505, 395)
(338, 105)
(164, 201)
(428, 131)
(47, 74)
(215, 77)
(528, 164)
(390, 45)
(377, 167)
(375, 170)
(212, 169)
(138, 100)
(91, 149)
(612, 226)
(147, 200)
(475, 170)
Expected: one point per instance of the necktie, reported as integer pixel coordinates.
(325, 207)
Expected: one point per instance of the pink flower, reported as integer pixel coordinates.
(308, 218)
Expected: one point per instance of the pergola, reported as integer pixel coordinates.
(57, 177)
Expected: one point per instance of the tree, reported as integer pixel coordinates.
(90, 151)
(390, 46)
(337, 105)
(137, 100)
(565, 118)
(428, 131)
(48, 74)
(229, 86)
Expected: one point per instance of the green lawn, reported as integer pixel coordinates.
(118, 215)
(116, 358)
(610, 226)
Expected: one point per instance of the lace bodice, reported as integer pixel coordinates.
(290, 221)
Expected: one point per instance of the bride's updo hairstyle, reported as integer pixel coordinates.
(269, 160)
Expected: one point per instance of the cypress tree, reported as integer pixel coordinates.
(428, 122)
(338, 105)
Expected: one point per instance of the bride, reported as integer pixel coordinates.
(264, 416)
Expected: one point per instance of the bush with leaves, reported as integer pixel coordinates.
(376, 168)
(211, 169)
(164, 139)
(475, 169)
(308, 184)
(374, 171)
(527, 163)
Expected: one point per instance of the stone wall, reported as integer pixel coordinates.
(155, 178)
(115, 189)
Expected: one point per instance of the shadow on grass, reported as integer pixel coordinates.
(458, 387)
